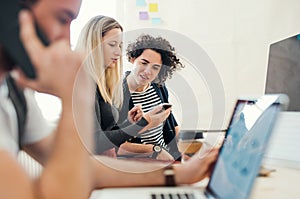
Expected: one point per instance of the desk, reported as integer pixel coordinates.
(284, 183)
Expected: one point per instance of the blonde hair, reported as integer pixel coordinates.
(108, 80)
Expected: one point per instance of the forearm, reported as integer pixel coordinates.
(69, 155)
(132, 129)
(105, 140)
(132, 148)
(126, 173)
(14, 182)
(41, 150)
(114, 138)
(74, 129)
(110, 172)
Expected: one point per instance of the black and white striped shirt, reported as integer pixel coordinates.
(149, 99)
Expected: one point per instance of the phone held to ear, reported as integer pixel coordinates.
(10, 36)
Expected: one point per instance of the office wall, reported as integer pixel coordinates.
(283, 148)
(233, 37)
(236, 36)
(90, 8)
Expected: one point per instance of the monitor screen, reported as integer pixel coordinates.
(283, 70)
(241, 154)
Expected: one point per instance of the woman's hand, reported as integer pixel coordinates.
(135, 114)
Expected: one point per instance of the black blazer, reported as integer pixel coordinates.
(108, 134)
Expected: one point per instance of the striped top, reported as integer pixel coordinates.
(149, 99)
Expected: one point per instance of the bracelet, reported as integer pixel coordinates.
(169, 174)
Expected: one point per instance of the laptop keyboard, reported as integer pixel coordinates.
(173, 196)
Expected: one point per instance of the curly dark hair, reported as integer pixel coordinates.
(170, 62)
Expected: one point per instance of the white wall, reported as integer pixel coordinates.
(235, 34)
(283, 149)
(90, 8)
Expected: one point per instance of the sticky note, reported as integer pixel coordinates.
(153, 7)
(156, 21)
(143, 15)
(140, 3)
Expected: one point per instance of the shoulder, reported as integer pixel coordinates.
(160, 87)
(29, 94)
(126, 92)
(126, 74)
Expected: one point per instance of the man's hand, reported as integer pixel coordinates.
(197, 167)
(156, 116)
(56, 65)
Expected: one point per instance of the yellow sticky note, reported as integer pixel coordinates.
(153, 7)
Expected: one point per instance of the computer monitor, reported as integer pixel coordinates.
(283, 73)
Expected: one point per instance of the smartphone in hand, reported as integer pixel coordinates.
(166, 106)
(10, 36)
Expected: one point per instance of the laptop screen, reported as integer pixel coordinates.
(241, 154)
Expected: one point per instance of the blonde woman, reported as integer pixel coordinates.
(101, 40)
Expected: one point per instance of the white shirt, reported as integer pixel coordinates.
(36, 127)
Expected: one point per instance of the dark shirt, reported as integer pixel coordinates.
(108, 134)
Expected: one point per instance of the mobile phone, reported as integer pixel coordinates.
(10, 37)
(166, 106)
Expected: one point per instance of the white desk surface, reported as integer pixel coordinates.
(283, 183)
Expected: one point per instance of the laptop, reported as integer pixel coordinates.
(239, 159)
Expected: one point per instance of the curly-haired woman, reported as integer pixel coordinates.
(154, 60)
